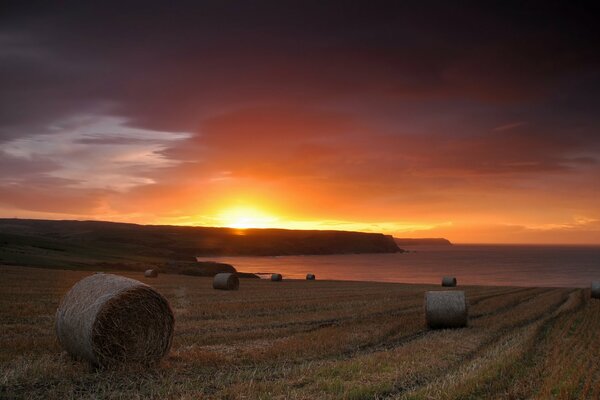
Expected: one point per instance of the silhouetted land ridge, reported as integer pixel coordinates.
(112, 245)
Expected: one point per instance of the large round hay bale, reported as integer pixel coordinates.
(151, 273)
(596, 290)
(108, 319)
(449, 281)
(310, 277)
(226, 281)
(446, 309)
(276, 277)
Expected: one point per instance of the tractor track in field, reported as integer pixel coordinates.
(512, 304)
(405, 339)
(548, 314)
(383, 345)
(390, 340)
(311, 326)
(328, 322)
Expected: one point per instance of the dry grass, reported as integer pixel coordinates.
(307, 340)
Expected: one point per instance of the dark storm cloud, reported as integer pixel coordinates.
(167, 66)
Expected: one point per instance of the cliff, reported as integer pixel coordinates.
(130, 246)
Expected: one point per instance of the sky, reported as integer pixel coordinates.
(475, 122)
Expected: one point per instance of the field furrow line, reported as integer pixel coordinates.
(494, 338)
(397, 333)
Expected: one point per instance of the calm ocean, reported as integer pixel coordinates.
(570, 266)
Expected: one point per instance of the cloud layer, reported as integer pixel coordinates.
(374, 116)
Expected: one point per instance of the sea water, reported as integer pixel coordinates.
(503, 265)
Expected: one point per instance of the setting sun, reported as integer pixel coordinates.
(243, 217)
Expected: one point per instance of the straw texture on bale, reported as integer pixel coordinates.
(151, 273)
(226, 281)
(446, 309)
(449, 281)
(108, 319)
(596, 290)
(310, 277)
(276, 277)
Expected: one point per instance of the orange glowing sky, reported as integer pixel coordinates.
(411, 121)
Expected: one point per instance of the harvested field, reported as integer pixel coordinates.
(309, 340)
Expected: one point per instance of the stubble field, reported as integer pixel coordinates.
(314, 340)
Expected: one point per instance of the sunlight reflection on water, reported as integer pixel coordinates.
(567, 266)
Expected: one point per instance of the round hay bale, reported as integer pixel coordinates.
(446, 309)
(596, 290)
(449, 281)
(226, 281)
(310, 277)
(151, 273)
(108, 319)
(276, 277)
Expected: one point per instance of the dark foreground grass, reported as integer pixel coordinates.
(313, 340)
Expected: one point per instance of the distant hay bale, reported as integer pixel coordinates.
(276, 277)
(151, 273)
(108, 319)
(310, 277)
(596, 290)
(446, 309)
(226, 281)
(449, 281)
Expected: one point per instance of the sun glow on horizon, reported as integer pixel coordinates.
(250, 216)
(244, 217)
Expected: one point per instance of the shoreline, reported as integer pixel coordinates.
(294, 279)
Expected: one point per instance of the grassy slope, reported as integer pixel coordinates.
(88, 244)
(322, 339)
